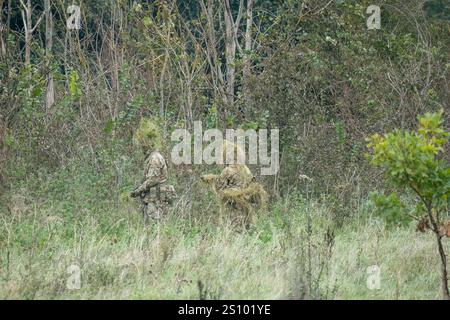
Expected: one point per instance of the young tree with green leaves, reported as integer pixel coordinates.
(413, 159)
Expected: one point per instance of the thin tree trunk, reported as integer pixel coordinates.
(230, 52)
(8, 24)
(213, 56)
(50, 95)
(444, 273)
(2, 32)
(28, 34)
(189, 96)
(26, 12)
(8, 19)
(247, 53)
(161, 86)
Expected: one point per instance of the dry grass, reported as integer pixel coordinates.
(119, 258)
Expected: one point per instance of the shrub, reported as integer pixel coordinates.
(412, 160)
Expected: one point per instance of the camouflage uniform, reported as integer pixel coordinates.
(155, 194)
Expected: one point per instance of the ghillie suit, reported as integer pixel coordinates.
(155, 194)
(239, 194)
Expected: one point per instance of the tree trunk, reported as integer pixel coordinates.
(27, 15)
(50, 95)
(212, 56)
(8, 25)
(247, 53)
(28, 27)
(2, 32)
(444, 273)
(230, 52)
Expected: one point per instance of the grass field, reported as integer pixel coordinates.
(300, 249)
(290, 254)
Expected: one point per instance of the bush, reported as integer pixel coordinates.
(412, 160)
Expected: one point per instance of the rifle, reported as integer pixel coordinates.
(141, 194)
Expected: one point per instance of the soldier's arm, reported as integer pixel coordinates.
(151, 180)
(209, 178)
(154, 176)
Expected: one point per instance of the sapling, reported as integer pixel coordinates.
(412, 160)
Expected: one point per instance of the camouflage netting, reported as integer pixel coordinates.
(246, 200)
(240, 203)
(148, 135)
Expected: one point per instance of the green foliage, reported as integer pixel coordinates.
(212, 118)
(391, 208)
(30, 88)
(74, 83)
(437, 9)
(109, 126)
(412, 158)
(340, 132)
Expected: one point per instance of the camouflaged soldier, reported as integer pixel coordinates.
(156, 195)
(239, 194)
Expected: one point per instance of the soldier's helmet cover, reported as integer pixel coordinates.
(148, 135)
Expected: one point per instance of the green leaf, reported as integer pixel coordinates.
(109, 126)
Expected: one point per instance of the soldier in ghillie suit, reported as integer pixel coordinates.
(239, 194)
(155, 194)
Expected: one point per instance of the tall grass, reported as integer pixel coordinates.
(297, 250)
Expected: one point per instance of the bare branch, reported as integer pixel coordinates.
(23, 5)
(38, 22)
